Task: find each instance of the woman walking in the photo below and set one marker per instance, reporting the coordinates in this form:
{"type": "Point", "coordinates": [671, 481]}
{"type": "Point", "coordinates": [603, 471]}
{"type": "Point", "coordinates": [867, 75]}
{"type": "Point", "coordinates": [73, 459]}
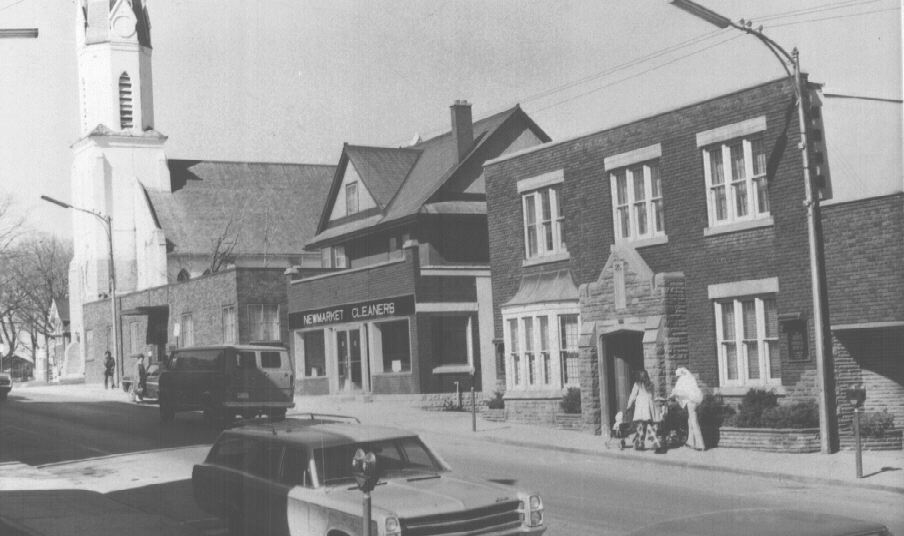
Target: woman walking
{"type": "Point", "coordinates": [689, 395]}
{"type": "Point", "coordinates": [645, 412]}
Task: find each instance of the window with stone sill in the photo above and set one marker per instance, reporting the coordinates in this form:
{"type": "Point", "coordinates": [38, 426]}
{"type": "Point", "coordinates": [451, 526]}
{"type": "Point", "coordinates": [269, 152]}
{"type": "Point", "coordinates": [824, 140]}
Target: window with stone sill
{"type": "Point", "coordinates": [737, 188]}
{"type": "Point", "coordinates": [542, 350]}
{"type": "Point", "coordinates": [747, 339]}
{"type": "Point", "coordinates": [264, 320]}
{"type": "Point", "coordinates": [637, 206]}
{"type": "Point", "coordinates": [544, 222]}
{"type": "Point", "coordinates": [229, 325]}
{"type": "Point", "coordinates": [187, 330]}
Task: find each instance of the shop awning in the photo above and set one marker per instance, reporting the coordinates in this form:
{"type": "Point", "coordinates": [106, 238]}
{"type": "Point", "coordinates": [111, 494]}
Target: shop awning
{"type": "Point", "coordinates": [545, 287]}
{"type": "Point", "coordinates": [145, 310]}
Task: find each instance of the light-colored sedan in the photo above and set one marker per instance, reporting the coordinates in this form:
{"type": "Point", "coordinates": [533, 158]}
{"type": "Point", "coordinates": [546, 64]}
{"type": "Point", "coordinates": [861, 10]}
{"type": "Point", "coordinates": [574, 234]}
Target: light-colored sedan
{"type": "Point", "coordinates": [296, 478]}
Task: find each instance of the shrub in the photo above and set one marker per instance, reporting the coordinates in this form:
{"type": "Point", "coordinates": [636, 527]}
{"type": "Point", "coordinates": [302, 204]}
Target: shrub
{"type": "Point", "coordinates": [876, 423]}
{"type": "Point", "coordinates": [571, 401]}
{"type": "Point", "coordinates": [711, 413]}
{"type": "Point", "coordinates": [497, 402]}
{"type": "Point", "coordinates": [803, 414]}
{"type": "Point", "coordinates": [750, 411]}
{"type": "Point", "coordinates": [451, 404]}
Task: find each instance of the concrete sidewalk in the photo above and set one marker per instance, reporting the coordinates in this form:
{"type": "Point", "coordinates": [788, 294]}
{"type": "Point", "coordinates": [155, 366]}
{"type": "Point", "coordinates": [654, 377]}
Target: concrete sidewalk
{"type": "Point", "coordinates": [882, 470]}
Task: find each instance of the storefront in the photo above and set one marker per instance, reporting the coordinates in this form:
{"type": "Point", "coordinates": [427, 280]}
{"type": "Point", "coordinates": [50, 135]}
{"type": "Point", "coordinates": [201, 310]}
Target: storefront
{"type": "Point", "coordinates": [352, 347]}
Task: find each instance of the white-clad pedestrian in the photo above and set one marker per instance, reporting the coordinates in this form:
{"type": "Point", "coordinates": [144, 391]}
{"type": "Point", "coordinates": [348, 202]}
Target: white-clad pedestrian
{"type": "Point", "coordinates": [689, 395]}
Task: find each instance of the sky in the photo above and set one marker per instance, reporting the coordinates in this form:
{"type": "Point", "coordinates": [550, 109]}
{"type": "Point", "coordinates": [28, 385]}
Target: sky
{"type": "Point", "coordinates": [292, 80]}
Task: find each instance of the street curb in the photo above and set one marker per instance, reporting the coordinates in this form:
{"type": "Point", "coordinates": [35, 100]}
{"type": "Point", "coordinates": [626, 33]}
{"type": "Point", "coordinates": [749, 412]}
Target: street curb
{"type": "Point", "coordinates": [692, 465]}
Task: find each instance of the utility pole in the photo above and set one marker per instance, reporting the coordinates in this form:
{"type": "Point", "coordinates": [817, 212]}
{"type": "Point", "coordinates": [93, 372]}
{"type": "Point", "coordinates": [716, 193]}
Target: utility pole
{"type": "Point", "coordinates": [824, 367]}
{"type": "Point", "coordinates": [18, 33]}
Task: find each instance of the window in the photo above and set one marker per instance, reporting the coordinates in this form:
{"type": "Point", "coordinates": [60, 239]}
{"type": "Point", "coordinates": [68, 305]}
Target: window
{"type": "Point", "coordinates": [187, 330]}
{"type": "Point", "coordinates": [229, 324]}
{"type": "Point", "coordinates": [125, 101]}
{"type": "Point", "coordinates": [568, 349]}
{"type": "Point", "coordinates": [89, 345]}
{"type": "Point", "coordinates": [295, 467]}
{"type": "Point", "coordinates": [312, 349]}
{"type": "Point", "coordinates": [271, 360]}
{"type": "Point", "coordinates": [637, 201]}
{"type": "Point", "coordinates": [542, 350]}
{"type": "Point", "coordinates": [747, 336]}
{"type": "Point", "coordinates": [209, 360]}
{"type": "Point", "coordinates": [735, 171]}
{"type": "Point", "coordinates": [264, 319]}
{"type": "Point", "coordinates": [351, 198]}
{"type": "Point", "coordinates": [451, 340]}
{"type": "Point", "coordinates": [135, 338]}
{"type": "Point", "coordinates": [392, 340]}
{"type": "Point", "coordinates": [333, 257]}
{"type": "Point", "coordinates": [543, 222]}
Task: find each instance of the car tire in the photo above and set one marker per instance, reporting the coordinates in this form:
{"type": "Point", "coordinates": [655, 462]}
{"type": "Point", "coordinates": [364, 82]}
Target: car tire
{"type": "Point", "coordinates": [277, 414]}
{"type": "Point", "coordinates": [167, 412]}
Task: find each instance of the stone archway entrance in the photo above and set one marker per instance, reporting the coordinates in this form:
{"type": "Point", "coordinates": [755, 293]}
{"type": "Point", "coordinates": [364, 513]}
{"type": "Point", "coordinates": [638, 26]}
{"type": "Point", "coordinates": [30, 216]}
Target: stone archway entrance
{"type": "Point", "coordinates": [622, 357]}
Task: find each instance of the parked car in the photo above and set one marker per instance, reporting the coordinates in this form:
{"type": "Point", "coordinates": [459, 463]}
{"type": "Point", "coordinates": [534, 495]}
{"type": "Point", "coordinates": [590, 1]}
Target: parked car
{"type": "Point", "coordinates": [293, 478]}
{"type": "Point", "coordinates": [764, 522]}
{"type": "Point", "coordinates": [6, 385]}
{"type": "Point", "coordinates": [224, 381]}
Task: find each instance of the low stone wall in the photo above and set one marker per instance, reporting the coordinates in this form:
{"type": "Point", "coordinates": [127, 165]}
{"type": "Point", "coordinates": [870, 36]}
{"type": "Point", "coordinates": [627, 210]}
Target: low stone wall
{"type": "Point", "coordinates": [789, 440]}
{"type": "Point", "coordinates": [569, 421]}
{"type": "Point", "coordinates": [493, 415]}
{"type": "Point", "coordinates": [532, 407]}
{"type": "Point", "coordinates": [891, 441]}
{"type": "Point", "coordinates": [432, 401]}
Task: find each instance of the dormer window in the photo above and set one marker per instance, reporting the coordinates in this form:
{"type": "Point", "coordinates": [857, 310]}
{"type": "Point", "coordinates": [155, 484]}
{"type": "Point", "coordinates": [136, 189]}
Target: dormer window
{"type": "Point", "coordinates": [125, 101]}
{"type": "Point", "coordinates": [351, 198]}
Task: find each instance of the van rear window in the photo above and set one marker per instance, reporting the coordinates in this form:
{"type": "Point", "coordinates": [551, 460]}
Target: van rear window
{"type": "Point", "coordinates": [271, 360]}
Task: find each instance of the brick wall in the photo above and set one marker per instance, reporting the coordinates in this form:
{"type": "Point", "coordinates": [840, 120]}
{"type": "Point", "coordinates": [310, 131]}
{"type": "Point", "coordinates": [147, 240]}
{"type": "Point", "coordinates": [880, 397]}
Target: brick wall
{"type": "Point", "coordinates": [863, 251]}
{"type": "Point", "coordinates": [776, 251]}
{"type": "Point", "coordinates": [257, 286]}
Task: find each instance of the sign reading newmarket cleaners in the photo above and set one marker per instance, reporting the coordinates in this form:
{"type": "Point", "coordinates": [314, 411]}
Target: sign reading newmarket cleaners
{"type": "Point", "coordinates": [355, 312]}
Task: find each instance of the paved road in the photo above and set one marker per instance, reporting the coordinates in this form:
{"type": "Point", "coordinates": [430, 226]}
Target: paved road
{"type": "Point", "coordinates": [583, 494]}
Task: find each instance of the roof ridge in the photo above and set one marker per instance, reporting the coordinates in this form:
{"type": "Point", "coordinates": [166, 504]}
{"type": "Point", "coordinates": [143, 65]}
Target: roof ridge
{"type": "Point", "coordinates": [255, 162]}
{"type": "Point", "coordinates": [475, 123]}
{"type": "Point", "coordinates": [378, 147]}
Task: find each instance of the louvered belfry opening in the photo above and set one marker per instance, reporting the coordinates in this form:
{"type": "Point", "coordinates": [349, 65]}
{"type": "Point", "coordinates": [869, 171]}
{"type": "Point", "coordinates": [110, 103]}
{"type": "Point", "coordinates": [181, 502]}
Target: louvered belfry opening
{"type": "Point", "coordinates": [125, 101]}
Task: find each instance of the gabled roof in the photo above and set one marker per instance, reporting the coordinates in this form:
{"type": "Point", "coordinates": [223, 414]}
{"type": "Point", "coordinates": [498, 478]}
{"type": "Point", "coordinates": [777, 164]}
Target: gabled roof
{"type": "Point", "coordinates": [62, 305]}
{"type": "Point", "coordinates": [266, 208]}
{"type": "Point", "coordinates": [410, 177]}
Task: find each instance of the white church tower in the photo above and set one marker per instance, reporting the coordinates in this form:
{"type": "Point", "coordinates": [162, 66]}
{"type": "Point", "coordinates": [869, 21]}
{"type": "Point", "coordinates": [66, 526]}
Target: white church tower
{"type": "Point", "coordinates": [117, 158]}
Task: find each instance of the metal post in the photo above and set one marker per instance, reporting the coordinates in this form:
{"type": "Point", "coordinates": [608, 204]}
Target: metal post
{"type": "Point", "coordinates": [473, 410]}
{"type": "Point", "coordinates": [817, 276]}
{"type": "Point", "coordinates": [117, 350]}
{"type": "Point", "coordinates": [857, 446]}
{"type": "Point", "coordinates": [366, 516]}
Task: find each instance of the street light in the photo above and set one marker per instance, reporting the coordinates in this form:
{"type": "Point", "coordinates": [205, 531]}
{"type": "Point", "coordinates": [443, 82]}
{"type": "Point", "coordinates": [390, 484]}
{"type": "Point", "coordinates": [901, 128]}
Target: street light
{"type": "Point", "coordinates": [814, 228]}
{"type": "Point", "coordinates": [113, 308]}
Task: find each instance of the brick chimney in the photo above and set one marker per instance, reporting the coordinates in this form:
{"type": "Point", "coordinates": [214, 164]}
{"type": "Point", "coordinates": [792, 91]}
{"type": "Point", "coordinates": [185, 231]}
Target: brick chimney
{"type": "Point", "coordinates": [462, 128]}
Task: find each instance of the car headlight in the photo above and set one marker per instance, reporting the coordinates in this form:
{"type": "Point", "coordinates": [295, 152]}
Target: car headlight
{"type": "Point", "coordinates": [532, 511]}
{"type": "Point", "coordinates": [393, 527]}
{"type": "Point", "coordinates": [535, 502]}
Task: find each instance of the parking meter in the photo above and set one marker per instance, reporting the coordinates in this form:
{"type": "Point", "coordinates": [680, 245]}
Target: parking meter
{"type": "Point", "coordinates": [364, 469]}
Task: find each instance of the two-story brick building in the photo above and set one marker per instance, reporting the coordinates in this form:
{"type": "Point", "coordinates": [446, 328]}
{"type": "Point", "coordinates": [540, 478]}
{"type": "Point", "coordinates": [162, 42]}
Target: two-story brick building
{"type": "Point", "coordinates": [404, 305]}
{"type": "Point", "coordinates": [679, 239]}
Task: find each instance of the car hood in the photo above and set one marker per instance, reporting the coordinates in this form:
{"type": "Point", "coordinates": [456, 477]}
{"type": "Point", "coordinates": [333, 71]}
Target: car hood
{"type": "Point", "coordinates": [414, 497]}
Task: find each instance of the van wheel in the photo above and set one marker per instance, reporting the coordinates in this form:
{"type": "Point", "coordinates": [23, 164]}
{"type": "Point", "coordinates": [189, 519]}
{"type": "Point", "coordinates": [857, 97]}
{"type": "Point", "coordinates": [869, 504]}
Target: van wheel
{"type": "Point", "coordinates": [277, 414]}
{"type": "Point", "coordinates": [167, 413]}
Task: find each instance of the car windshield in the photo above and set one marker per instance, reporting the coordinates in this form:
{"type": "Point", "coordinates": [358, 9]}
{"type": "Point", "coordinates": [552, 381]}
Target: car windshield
{"type": "Point", "coordinates": [403, 456]}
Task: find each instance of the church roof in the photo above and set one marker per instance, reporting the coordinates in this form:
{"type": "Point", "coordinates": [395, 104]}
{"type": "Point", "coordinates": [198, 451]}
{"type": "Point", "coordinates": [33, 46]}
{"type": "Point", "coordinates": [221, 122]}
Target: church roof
{"type": "Point", "coordinates": [405, 180]}
{"type": "Point", "coordinates": [265, 208]}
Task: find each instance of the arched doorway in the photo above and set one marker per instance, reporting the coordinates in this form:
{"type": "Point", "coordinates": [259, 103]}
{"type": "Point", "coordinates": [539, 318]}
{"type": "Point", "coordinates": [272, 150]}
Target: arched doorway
{"type": "Point", "coordinates": [622, 354]}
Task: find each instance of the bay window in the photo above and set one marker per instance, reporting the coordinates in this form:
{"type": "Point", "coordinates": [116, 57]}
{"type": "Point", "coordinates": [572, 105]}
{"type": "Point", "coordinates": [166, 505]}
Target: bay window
{"type": "Point", "coordinates": [542, 347]}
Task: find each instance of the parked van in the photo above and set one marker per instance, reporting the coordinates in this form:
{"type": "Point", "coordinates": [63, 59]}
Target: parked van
{"type": "Point", "coordinates": [225, 381]}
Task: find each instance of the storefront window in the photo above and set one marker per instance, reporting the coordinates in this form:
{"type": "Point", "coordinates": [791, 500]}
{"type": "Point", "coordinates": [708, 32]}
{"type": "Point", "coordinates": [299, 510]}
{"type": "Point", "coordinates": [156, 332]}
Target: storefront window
{"type": "Point", "coordinates": [313, 353]}
{"type": "Point", "coordinates": [450, 340]}
{"type": "Point", "coordinates": [393, 343]}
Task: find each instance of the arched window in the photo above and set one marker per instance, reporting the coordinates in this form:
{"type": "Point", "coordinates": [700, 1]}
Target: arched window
{"type": "Point", "coordinates": [183, 275]}
{"type": "Point", "coordinates": [125, 101]}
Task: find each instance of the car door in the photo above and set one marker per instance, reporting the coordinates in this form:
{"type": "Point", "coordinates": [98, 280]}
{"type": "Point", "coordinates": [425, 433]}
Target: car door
{"type": "Point", "coordinates": [264, 493]}
{"type": "Point", "coordinates": [277, 375]}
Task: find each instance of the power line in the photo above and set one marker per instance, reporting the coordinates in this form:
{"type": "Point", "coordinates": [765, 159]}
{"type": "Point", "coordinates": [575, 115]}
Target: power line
{"type": "Point", "coordinates": [17, 2]}
{"type": "Point", "coordinates": [837, 17]}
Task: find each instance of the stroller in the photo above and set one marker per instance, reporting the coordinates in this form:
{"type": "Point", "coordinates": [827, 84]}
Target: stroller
{"type": "Point", "coordinates": [621, 429]}
{"type": "Point", "coordinates": [673, 423]}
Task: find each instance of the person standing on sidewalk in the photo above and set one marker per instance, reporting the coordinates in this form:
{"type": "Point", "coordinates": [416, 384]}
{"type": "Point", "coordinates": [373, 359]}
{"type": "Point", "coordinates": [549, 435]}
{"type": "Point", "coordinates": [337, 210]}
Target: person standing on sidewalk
{"type": "Point", "coordinates": [645, 412]}
{"type": "Point", "coordinates": [109, 368]}
{"type": "Point", "coordinates": [141, 375]}
{"type": "Point", "coordinates": [689, 395]}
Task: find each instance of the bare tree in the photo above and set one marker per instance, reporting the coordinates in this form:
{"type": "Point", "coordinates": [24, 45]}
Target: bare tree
{"type": "Point", "coordinates": [11, 227]}
{"type": "Point", "coordinates": [224, 243]}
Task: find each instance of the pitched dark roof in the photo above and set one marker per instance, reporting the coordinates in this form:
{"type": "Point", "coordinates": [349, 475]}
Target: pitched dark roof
{"type": "Point", "coordinates": [267, 208]}
{"type": "Point", "coordinates": [410, 188]}
{"type": "Point", "coordinates": [382, 169]}
{"type": "Point", "coordinates": [63, 308]}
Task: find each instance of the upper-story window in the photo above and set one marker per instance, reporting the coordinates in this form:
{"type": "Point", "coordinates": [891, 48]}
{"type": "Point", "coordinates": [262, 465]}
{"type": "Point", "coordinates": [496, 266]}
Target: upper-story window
{"type": "Point", "coordinates": [544, 219]}
{"type": "Point", "coordinates": [734, 164]}
{"type": "Point", "coordinates": [637, 201]}
{"type": "Point", "coordinates": [333, 257]}
{"type": "Point", "coordinates": [125, 101]}
{"type": "Point", "coordinates": [351, 198]}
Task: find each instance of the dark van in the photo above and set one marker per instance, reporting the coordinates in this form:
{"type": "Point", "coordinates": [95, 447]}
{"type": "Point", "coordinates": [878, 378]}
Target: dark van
{"type": "Point", "coordinates": [225, 381]}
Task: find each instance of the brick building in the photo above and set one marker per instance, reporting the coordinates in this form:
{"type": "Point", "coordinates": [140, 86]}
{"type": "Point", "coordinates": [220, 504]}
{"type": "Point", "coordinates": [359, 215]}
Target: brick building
{"type": "Point", "coordinates": [680, 240]}
{"type": "Point", "coordinates": [404, 305]}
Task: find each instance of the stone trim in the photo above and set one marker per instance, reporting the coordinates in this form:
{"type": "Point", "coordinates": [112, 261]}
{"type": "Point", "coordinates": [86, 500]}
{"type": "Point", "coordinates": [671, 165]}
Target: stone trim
{"type": "Point", "coordinates": [734, 130]}
{"type": "Point", "coordinates": [734, 227]}
{"type": "Point", "coordinates": [748, 287]}
{"type": "Point", "coordinates": [540, 181]}
{"type": "Point", "coordinates": [650, 152]}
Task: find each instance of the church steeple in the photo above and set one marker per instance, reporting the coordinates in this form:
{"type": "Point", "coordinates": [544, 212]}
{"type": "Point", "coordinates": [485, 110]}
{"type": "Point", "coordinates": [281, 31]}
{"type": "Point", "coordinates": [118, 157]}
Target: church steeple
{"type": "Point", "coordinates": [114, 59]}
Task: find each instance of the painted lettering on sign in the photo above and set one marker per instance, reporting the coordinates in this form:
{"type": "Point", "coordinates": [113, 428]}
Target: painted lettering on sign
{"type": "Point", "coordinates": [373, 309]}
{"type": "Point", "coordinates": [400, 306]}
{"type": "Point", "coordinates": [323, 317]}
